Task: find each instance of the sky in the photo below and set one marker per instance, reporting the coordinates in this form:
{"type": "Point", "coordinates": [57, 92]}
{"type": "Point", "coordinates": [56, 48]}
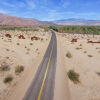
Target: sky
{"type": "Point", "coordinates": [49, 10]}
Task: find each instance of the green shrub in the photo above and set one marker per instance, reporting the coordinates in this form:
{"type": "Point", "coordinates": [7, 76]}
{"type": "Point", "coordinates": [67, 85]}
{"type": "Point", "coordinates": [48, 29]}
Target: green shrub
{"type": "Point", "coordinates": [4, 67]}
{"type": "Point", "coordinates": [19, 69]}
{"type": "Point", "coordinates": [8, 79]}
{"type": "Point", "coordinates": [73, 76]}
{"type": "Point", "coordinates": [69, 55]}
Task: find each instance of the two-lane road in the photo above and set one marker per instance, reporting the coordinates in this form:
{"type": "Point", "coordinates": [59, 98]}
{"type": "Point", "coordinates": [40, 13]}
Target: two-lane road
{"type": "Point", "coordinates": [42, 86]}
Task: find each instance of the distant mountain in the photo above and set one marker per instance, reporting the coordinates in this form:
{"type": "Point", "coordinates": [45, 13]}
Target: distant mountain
{"type": "Point", "coordinates": [73, 21]}
{"type": "Point", "coordinates": [17, 21]}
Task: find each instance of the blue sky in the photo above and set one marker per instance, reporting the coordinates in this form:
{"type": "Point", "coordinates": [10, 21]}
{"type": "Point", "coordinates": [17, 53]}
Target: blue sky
{"type": "Point", "coordinates": [52, 9]}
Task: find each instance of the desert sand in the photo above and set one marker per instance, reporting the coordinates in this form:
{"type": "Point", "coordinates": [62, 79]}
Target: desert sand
{"type": "Point", "coordinates": [25, 52]}
{"type": "Point", "coordinates": [87, 67]}
{"type": "Point", "coordinates": [14, 52]}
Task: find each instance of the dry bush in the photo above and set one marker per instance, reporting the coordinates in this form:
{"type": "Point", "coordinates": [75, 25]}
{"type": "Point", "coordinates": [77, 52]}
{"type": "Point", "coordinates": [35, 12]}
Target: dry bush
{"type": "Point", "coordinates": [8, 79]}
{"type": "Point", "coordinates": [73, 76]}
{"type": "Point", "coordinates": [19, 69]}
{"type": "Point", "coordinates": [90, 56]}
{"type": "Point", "coordinates": [69, 55]}
{"type": "Point", "coordinates": [4, 67]}
{"type": "Point", "coordinates": [18, 43]}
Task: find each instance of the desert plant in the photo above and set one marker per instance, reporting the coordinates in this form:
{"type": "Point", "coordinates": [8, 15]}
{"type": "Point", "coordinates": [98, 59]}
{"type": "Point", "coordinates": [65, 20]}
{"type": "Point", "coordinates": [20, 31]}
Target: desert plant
{"type": "Point", "coordinates": [69, 55]}
{"type": "Point", "coordinates": [8, 79]}
{"type": "Point", "coordinates": [78, 48]}
{"type": "Point", "coordinates": [90, 56]}
{"type": "Point", "coordinates": [7, 50]}
{"type": "Point", "coordinates": [80, 45]}
{"type": "Point", "coordinates": [18, 43]}
{"type": "Point", "coordinates": [19, 69]}
{"type": "Point", "coordinates": [85, 51]}
{"type": "Point", "coordinates": [73, 76]}
{"type": "Point", "coordinates": [4, 67]}
{"type": "Point", "coordinates": [31, 43]}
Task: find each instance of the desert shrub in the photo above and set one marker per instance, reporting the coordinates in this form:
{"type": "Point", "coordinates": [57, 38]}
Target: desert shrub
{"type": "Point", "coordinates": [18, 43]}
{"type": "Point", "coordinates": [41, 39]}
{"type": "Point", "coordinates": [8, 79]}
{"type": "Point", "coordinates": [85, 51]}
{"type": "Point", "coordinates": [80, 45]}
{"type": "Point", "coordinates": [90, 56]}
{"type": "Point", "coordinates": [31, 43]}
{"type": "Point", "coordinates": [7, 50]}
{"type": "Point", "coordinates": [4, 67]}
{"type": "Point", "coordinates": [19, 69]}
{"type": "Point", "coordinates": [69, 55]}
{"type": "Point", "coordinates": [78, 48]}
{"type": "Point", "coordinates": [73, 76]}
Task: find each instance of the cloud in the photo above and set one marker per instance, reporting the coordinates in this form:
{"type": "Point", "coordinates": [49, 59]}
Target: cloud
{"type": "Point", "coordinates": [31, 5]}
{"type": "Point", "coordinates": [2, 11]}
{"type": "Point", "coordinates": [14, 4]}
{"type": "Point", "coordinates": [65, 3]}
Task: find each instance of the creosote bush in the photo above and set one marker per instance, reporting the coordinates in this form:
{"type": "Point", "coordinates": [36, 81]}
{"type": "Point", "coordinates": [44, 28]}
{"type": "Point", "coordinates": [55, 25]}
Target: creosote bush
{"type": "Point", "coordinates": [8, 79]}
{"type": "Point", "coordinates": [69, 55]}
{"type": "Point", "coordinates": [4, 67]}
{"type": "Point", "coordinates": [90, 56]}
{"type": "Point", "coordinates": [73, 76]}
{"type": "Point", "coordinates": [19, 69]}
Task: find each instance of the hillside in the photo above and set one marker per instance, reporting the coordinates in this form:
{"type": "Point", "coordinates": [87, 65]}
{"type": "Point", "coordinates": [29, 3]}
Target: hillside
{"type": "Point", "coordinates": [17, 21]}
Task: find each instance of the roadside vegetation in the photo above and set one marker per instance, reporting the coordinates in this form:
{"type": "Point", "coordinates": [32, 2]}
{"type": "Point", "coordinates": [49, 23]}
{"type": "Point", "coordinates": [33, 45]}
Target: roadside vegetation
{"type": "Point", "coordinates": [19, 69]}
{"type": "Point", "coordinates": [69, 55]}
{"type": "Point", "coordinates": [73, 76]}
{"type": "Point", "coordinates": [77, 29]}
{"type": "Point", "coordinates": [8, 79]}
{"type": "Point", "coordinates": [95, 30]}
{"type": "Point", "coordinates": [4, 67]}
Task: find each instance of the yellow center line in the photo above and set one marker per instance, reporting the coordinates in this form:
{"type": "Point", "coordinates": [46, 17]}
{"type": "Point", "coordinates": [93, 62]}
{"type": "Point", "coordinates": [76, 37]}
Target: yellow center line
{"type": "Point", "coordinates": [39, 96]}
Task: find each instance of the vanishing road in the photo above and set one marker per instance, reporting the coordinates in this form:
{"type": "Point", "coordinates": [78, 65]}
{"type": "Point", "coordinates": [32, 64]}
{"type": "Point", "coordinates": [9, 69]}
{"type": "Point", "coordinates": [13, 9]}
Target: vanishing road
{"type": "Point", "coordinates": [42, 86]}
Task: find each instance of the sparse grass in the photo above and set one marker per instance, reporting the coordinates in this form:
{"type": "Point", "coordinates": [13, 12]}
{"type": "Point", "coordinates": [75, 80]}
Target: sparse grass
{"type": "Point", "coordinates": [98, 73]}
{"type": "Point", "coordinates": [8, 79]}
{"type": "Point", "coordinates": [18, 43]}
{"type": "Point", "coordinates": [85, 51]}
{"type": "Point", "coordinates": [78, 48]}
{"type": "Point", "coordinates": [31, 43]}
{"type": "Point", "coordinates": [90, 56]}
{"type": "Point", "coordinates": [37, 49]}
{"type": "Point", "coordinates": [4, 67]}
{"type": "Point", "coordinates": [41, 39]}
{"type": "Point", "coordinates": [69, 55]}
{"type": "Point", "coordinates": [28, 49]}
{"type": "Point", "coordinates": [7, 50]}
{"type": "Point", "coordinates": [80, 45]}
{"type": "Point", "coordinates": [73, 76]}
{"type": "Point", "coordinates": [19, 69]}
{"type": "Point", "coordinates": [7, 57]}
{"type": "Point", "coordinates": [27, 53]}
{"type": "Point", "coordinates": [98, 51]}
{"type": "Point", "coordinates": [97, 48]}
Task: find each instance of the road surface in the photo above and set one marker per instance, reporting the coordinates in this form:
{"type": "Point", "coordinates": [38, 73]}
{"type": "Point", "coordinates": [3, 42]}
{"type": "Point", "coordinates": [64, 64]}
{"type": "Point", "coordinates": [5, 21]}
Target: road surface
{"type": "Point", "coordinates": [42, 86]}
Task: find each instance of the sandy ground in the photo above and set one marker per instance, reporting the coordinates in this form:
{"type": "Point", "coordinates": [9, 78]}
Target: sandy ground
{"type": "Point", "coordinates": [87, 67]}
{"type": "Point", "coordinates": [15, 52]}
{"type": "Point", "coordinates": [62, 91]}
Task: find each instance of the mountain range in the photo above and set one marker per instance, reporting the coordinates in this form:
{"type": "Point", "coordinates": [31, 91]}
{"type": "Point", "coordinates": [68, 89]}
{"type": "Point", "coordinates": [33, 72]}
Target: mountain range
{"type": "Point", "coordinates": [18, 21]}
{"type": "Point", "coordinates": [74, 21]}
{"type": "Point", "coordinates": [6, 19]}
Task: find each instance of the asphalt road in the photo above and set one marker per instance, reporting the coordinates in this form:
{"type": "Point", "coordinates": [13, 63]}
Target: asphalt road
{"type": "Point", "coordinates": [42, 86]}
